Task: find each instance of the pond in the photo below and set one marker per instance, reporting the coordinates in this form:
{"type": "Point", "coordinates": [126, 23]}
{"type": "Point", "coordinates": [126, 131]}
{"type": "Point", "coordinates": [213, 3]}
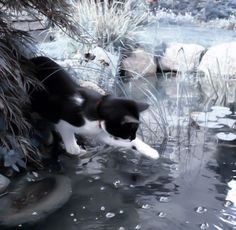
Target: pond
{"type": "Point", "coordinates": [118, 190]}
{"type": "Point", "coordinates": [192, 185]}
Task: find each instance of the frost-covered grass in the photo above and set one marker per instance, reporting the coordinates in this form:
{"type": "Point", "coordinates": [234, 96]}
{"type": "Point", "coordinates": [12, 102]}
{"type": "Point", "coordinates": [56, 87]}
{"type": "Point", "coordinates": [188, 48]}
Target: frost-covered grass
{"type": "Point", "coordinates": [105, 25]}
{"type": "Point", "coordinates": [168, 16]}
{"type": "Point", "coordinates": [229, 24]}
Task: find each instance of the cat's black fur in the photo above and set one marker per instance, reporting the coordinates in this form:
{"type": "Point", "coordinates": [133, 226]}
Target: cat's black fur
{"type": "Point", "coordinates": [56, 101]}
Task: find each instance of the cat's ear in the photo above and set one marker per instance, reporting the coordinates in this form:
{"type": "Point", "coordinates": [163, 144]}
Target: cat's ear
{"type": "Point", "coordinates": [129, 119]}
{"type": "Point", "coordinates": [142, 106]}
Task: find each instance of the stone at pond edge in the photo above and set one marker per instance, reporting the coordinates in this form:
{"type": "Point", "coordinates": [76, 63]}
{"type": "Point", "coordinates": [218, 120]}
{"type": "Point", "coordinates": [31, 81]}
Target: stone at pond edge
{"type": "Point", "coordinates": [4, 183]}
{"type": "Point", "coordinates": [181, 57]}
{"type": "Point", "coordinates": [140, 62]}
{"type": "Point", "coordinates": [219, 61]}
{"type": "Point", "coordinates": [30, 202]}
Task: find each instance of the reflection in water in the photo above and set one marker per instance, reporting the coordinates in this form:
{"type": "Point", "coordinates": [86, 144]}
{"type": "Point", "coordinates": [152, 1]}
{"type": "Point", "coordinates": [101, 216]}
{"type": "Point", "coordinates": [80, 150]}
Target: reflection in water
{"type": "Point", "coordinates": [120, 190]}
{"type": "Point", "coordinates": [227, 169]}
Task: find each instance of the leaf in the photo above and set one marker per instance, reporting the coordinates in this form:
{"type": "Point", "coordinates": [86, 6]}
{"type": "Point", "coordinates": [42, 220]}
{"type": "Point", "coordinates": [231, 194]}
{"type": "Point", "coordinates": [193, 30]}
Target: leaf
{"type": "Point", "coordinates": [12, 159]}
{"type": "Point", "coordinates": [14, 166]}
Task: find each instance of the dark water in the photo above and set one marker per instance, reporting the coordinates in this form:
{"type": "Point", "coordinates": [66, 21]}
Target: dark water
{"type": "Point", "coordinates": [187, 188]}
{"type": "Point", "coordinates": [118, 190]}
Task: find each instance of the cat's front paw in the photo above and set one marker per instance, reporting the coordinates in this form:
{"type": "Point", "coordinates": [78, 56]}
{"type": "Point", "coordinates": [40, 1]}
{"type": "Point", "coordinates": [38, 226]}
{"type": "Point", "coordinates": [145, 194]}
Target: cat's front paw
{"type": "Point", "coordinates": [75, 150]}
{"type": "Point", "coordinates": [145, 149]}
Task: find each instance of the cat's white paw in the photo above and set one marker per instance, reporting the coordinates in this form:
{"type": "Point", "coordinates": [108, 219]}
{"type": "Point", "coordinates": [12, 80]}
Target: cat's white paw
{"type": "Point", "coordinates": [145, 149]}
{"type": "Point", "coordinates": [75, 150]}
{"type": "Point", "coordinates": [153, 153]}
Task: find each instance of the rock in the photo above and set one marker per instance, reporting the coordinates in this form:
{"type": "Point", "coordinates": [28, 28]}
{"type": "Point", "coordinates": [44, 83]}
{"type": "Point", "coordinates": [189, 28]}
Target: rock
{"type": "Point", "coordinates": [4, 183]}
{"type": "Point", "coordinates": [61, 48]}
{"type": "Point", "coordinates": [140, 62]}
{"type": "Point", "coordinates": [30, 201]}
{"type": "Point", "coordinates": [219, 60]}
{"type": "Point", "coordinates": [181, 57]}
{"type": "Point", "coordinates": [93, 86]}
{"type": "Point", "coordinates": [217, 71]}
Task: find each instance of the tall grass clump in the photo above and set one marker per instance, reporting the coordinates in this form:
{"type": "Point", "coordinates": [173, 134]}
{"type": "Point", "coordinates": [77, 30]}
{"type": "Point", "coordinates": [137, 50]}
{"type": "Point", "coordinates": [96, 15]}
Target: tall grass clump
{"type": "Point", "coordinates": [110, 25]}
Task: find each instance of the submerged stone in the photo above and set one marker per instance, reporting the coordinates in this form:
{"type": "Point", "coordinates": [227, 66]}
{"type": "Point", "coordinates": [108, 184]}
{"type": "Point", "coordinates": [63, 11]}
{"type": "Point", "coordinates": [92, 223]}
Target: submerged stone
{"type": "Point", "coordinates": [30, 202]}
{"type": "Point", "coordinates": [4, 183]}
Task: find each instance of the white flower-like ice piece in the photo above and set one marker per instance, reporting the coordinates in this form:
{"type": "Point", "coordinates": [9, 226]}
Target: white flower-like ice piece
{"type": "Point", "coordinates": [226, 136]}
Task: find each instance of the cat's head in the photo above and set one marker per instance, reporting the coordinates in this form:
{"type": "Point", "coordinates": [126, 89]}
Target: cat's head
{"type": "Point", "coordinates": [121, 116]}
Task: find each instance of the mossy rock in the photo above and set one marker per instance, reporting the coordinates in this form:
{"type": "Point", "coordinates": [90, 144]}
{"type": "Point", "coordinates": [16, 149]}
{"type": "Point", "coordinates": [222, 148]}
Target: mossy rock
{"type": "Point", "coordinates": [31, 201]}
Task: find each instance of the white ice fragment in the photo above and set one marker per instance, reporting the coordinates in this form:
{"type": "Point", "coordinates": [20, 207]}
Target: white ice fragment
{"type": "Point", "coordinates": [231, 195]}
{"type": "Point", "coordinates": [203, 117]}
{"type": "Point", "coordinates": [210, 125]}
{"type": "Point", "coordinates": [220, 108]}
{"type": "Point", "coordinates": [164, 199]}
{"type": "Point", "coordinates": [161, 214]}
{"type": "Point", "coordinates": [227, 121]}
{"type": "Point", "coordinates": [110, 215]}
{"type": "Point", "coordinates": [226, 136]}
{"type": "Point", "coordinates": [145, 206]}
{"type": "Point", "coordinates": [117, 183]}
{"type": "Point", "coordinates": [204, 226]}
{"type": "Point", "coordinates": [103, 208]}
{"type": "Point", "coordinates": [200, 210]}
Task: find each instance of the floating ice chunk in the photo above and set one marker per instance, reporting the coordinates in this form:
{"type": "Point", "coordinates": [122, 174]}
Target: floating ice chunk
{"type": "Point", "coordinates": [202, 116]}
{"type": "Point", "coordinates": [227, 121]}
{"type": "Point", "coordinates": [231, 196]}
{"type": "Point", "coordinates": [110, 215]}
{"type": "Point", "coordinates": [145, 206]}
{"type": "Point", "coordinates": [215, 118]}
{"type": "Point", "coordinates": [200, 209]}
{"type": "Point", "coordinates": [226, 136]}
{"type": "Point", "coordinates": [220, 108]}
{"type": "Point", "coordinates": [204, 225]}
{"type": "Point", "coordinates": [210, 125]}
{"type": "Point", "coordinates": [221, 113]}
{"type": "Point", "coordinates": [161, 214]}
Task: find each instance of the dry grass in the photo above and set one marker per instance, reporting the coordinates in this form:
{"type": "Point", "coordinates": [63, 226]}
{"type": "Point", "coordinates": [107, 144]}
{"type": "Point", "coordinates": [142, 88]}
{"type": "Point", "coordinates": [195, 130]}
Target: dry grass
{"type": "Point", "coordinates": [107, 25]}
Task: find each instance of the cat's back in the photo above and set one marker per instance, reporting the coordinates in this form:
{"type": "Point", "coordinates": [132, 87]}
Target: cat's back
{"type": "Point", "coordinates": [54, 77]}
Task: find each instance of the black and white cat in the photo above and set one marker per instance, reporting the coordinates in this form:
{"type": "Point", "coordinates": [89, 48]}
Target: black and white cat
{"type": "Point", "coordinates": [77, 110]}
